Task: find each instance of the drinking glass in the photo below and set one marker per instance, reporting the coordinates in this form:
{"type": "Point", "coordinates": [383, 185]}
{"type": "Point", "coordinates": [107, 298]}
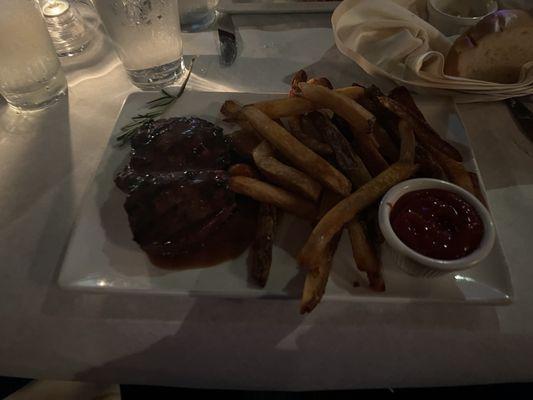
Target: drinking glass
{"type": "Point", "coordinates": [196, 15]}
{"type": "Point", "coordinates": [30, 73]}
{"type": "Point", "coordinates": [147, 37]}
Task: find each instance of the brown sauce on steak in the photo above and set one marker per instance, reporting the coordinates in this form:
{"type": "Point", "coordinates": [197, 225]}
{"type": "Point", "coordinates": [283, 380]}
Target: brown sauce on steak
{"type": "Point", "coordinates": [180, 208]}
{"type": "Point", "coordinates": [226, 243]}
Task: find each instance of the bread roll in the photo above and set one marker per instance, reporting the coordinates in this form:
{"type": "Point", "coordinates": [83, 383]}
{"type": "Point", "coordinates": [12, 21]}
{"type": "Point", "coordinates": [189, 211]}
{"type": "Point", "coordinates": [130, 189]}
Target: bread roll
{"type": "Point", "coordinates": [495, 49]}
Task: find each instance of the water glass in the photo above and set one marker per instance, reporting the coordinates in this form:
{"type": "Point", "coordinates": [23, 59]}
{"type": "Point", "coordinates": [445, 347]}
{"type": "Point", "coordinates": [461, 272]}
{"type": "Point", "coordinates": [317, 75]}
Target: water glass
{"type": "Point", "coordinates": [147, 37]}
{"type": "Point", "coordinates": [30, 73]}
{"type": "Point", "coordinates": [196, 15]}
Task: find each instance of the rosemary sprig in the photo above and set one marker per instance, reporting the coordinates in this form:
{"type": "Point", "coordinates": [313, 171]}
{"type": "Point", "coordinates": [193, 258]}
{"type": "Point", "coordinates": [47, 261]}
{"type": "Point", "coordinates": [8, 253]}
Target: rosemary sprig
{"type": "Point", "coordinates": [154, 109]}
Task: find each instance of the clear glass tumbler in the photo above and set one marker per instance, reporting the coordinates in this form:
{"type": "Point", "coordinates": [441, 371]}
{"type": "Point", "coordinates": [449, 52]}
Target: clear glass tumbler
{"type": "Point", "coordinates": [147, 36]}
{"type": "Point", "coordinates": [30, 73]}
{"type": "Point", "coordinates": [196, 15]}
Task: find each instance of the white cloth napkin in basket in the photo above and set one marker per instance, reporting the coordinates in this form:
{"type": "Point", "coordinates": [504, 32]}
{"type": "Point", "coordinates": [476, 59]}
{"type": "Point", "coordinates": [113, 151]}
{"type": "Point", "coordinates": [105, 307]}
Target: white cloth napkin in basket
{"type": "Point", "coordinates": [388, 39]}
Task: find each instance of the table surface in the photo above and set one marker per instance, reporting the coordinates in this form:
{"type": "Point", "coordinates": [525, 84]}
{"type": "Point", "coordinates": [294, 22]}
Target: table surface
{"type": "Point", "coordinates": [48, 160]}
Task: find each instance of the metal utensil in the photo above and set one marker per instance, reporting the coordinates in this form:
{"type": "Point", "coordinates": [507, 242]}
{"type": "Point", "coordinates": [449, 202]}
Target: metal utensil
{"type": "Point", "coordinates": [227, 39]}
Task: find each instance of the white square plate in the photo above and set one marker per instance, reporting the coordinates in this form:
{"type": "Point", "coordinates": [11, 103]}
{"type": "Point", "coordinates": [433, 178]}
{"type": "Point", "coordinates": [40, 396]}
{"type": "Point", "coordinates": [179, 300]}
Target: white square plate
{"type": "Point", "coordinates": [102, 256]}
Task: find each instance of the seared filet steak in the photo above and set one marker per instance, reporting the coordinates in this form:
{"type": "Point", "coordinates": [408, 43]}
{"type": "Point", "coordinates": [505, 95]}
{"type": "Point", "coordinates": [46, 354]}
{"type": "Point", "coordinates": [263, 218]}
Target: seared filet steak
{"type": "Point", "coordinates": [177, 185]}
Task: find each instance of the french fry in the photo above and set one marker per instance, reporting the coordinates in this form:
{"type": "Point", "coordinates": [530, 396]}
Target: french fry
{"type": "Point", "coordinates": [261, 249]}
{"type": "Point", "coordinates": [328, 200]}
{"type": "Point", "coordinates": [387, 148]}
{"type": "Point", "coordinates": [385, 118]}
{"type": "Point", "coordinates": [244, 142]}
{"type": "Point", "coordinates": [455, 170]}
{"type": "Point", "coordinates": [281, 108]}
{"type": "Point", "coordinates": [295, 123]}
{"type": "Point", "coordinates": [365, 255]}
{"type": "Point", "coordinates": [318, 147]}
{"type": "Point", "coordinates": [349, 162]}
{"type": "Point", "coordinates": [424, 133]}
{"type": "Point", "coordinates": [343, 126]}
{"type": "Point", "coordinates": [284, 175]}
{"type": "Point", "coordinates": [347, 209]}
{"type": "Point", "coordinates": [231, 109]}
{"type": "Point", "coordinates": [372, 225]}
{"type": "Point", "coordinates": [429, 167]}
{"type": "Point", "coordinates": [309, 128]}
{"type": "Point", "coordinates": [402, 95]}
{"type": "Point", "coordinates": [369, 101]}
{"type": "Point", "coordinates": [317, 278]}
{"type": "Point", "coordinates": [320, 81]}
{"type": "Point", "coordinates": [269, 194]}
{"type": "Point", "coordinates": [384, 130]}
{"type": "Point", "coordinates": [243, 170]}
{"type": "Point", "coordinates": [408, 143]}
{"type": "Point", "coordinates": [298, 154]}
{"type": "Point", "coordinates": [355, 114]}
{"type": "Point", "coordinates": [386, 145]}
{"type": "Point", "coordinates": [299, 76]}
{"type": "Point", "coordinates": [359, 119]}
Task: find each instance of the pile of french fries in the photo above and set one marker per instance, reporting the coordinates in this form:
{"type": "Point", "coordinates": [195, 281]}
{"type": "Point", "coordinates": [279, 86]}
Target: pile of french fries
{"type": "Point", "coordinates": [328, 156]}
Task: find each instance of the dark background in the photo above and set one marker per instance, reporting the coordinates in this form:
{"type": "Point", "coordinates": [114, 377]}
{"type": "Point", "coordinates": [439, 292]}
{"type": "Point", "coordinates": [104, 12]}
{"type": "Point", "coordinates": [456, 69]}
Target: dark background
{"type": "Point", "coordinates": [514, 391]}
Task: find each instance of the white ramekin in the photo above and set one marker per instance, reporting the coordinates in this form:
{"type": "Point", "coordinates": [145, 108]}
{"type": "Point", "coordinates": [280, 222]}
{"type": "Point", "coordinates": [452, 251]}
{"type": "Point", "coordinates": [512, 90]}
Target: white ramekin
{"type": "Point", "coordinates": [417, 264]}
{"type": "Point", "coordinates": [451, 25]}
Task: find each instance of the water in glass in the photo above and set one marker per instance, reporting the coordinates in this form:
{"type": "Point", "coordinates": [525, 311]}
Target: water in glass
{"type": "Point", "coordinates": [147, 36]}
{"type": "Point", "coordinates": [30, 73]}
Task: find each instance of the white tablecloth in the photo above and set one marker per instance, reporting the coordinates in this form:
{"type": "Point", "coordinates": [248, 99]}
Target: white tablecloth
{"type": "Point", "coordinates": [47, 162]}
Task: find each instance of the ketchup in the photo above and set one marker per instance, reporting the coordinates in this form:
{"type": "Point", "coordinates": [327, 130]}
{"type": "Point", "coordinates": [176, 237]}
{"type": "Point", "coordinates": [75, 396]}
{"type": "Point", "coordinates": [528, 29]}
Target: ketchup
{"type": "Point", "coordinates": [437, 223]}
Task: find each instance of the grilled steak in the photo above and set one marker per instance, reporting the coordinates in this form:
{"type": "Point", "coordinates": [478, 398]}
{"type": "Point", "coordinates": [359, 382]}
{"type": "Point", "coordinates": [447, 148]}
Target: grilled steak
{"type": "Point", "coordinates": [177, 185]}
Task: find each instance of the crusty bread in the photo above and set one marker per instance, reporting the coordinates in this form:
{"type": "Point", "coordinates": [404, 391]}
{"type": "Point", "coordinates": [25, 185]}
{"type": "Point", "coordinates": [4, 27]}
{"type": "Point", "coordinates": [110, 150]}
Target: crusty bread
{"type": "Point", "coordinates": [495, 49]}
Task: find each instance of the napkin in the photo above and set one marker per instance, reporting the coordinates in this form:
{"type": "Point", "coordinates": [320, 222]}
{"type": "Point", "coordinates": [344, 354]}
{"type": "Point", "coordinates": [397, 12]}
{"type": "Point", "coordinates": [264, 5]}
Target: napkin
{"type": "Point", "coordinates": [389, 38]}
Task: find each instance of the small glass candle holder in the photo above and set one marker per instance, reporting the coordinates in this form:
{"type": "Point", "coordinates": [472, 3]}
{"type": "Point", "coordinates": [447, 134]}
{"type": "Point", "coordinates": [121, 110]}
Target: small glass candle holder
{"type": "Point", "coordinates": [66, 27]}
{"type": "Point", "coordinates": [197, 15]}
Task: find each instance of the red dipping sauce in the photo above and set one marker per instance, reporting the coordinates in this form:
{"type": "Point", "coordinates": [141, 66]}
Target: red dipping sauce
{"type": "Point", "coordinates": [437, 223]}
